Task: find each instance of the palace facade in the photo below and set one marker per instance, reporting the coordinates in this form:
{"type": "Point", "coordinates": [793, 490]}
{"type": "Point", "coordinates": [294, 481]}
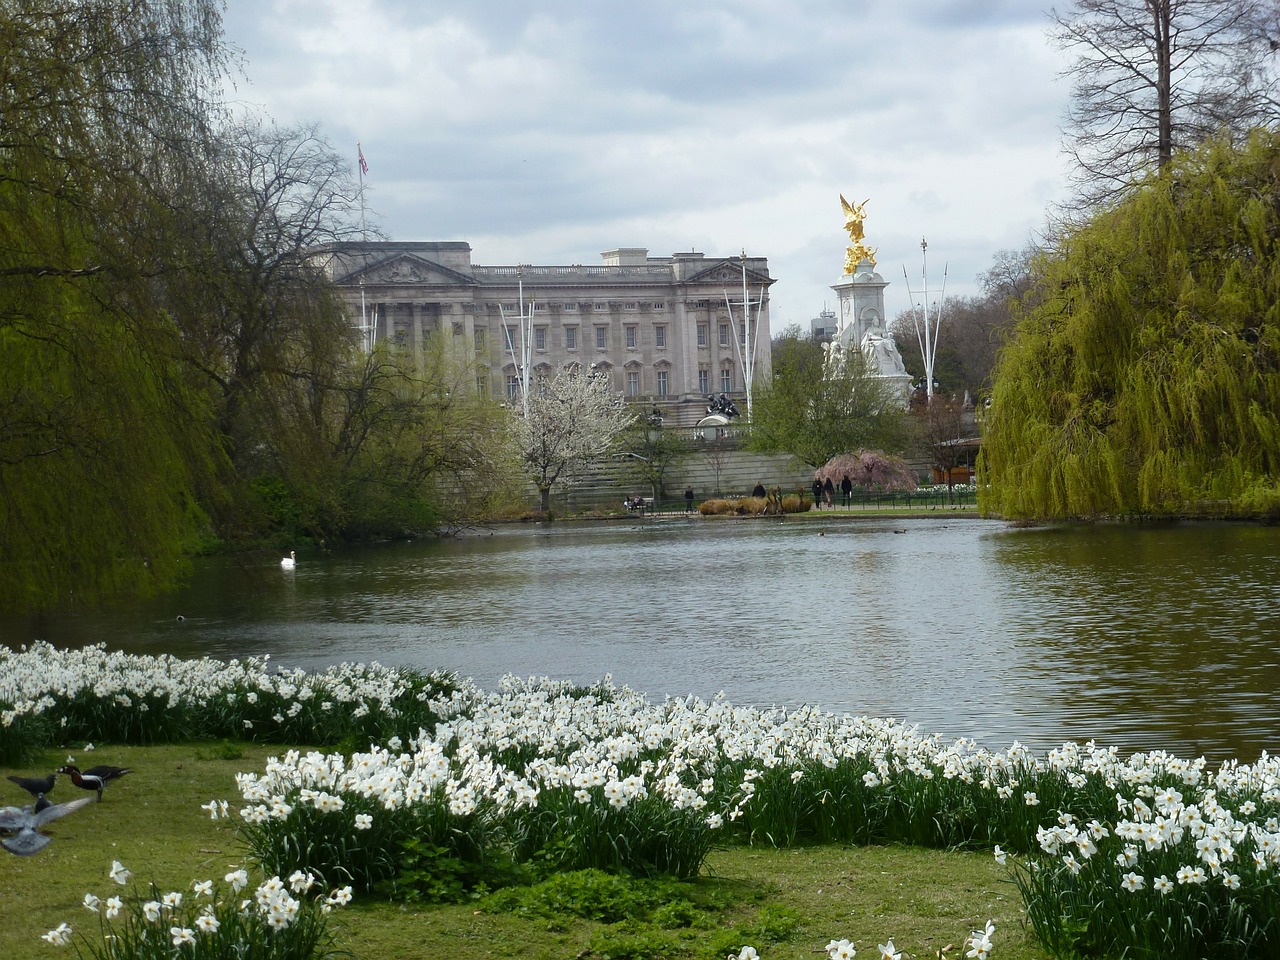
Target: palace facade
{"type": "Point", "coordinates": [667, 331]}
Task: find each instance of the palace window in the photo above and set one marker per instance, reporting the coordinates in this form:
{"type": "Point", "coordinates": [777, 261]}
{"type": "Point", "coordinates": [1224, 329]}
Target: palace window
{"type": "Point", "coordinates": [540, 338]}
{"type": "Point", "coordinates": [726, 380]}
{"type": "Point", "coordinates": [660, 336]}
{"type": "Point", "coordinates": [510, 337]}
{"type": "Point", "coordinates": [602, 338]}
{"type": "Point", "coordinates": [704, 381]}
{"type": "Point", "coordinates": [513, 387]}
{"type": "Point", "coordinates": [724, 334]}
{"type": "Point", "coordinates": [632, 336]}
{"type": "Point", "coordinates": [704, 335]}
{"type": "Point", "coordinates": [662, 383]}
{"type": "Point", "coordinates": [633, 383]}
{"type": "Point", "coordinates": [480, 338]}
{"type": "Point", "coordinates": [571, 338]}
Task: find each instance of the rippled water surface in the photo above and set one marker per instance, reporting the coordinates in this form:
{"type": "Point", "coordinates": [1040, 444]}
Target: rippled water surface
{"type": "Point", "coordinates": [1152, 637]}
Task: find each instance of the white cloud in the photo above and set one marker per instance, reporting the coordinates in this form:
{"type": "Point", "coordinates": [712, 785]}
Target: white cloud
{"type": "Point", "coordinates": [550, 132]}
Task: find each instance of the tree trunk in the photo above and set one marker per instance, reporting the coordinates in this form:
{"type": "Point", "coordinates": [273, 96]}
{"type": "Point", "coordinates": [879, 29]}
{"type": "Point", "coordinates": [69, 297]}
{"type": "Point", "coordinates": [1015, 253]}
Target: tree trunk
{"type": "Point", "coordinates": [1162, 35]}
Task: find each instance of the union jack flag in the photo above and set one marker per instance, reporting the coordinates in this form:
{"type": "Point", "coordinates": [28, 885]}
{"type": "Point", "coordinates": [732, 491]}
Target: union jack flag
{"type": "Point", "coordinates": [364, 167]}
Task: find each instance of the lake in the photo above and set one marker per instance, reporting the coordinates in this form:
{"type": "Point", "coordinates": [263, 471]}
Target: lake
{"type": "Point", "coordinates": [1144, 637]}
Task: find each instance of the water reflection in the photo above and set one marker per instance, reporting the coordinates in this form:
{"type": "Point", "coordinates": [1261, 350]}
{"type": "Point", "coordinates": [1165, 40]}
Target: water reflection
{"type": "Point", "coordinates": [1161, 637]}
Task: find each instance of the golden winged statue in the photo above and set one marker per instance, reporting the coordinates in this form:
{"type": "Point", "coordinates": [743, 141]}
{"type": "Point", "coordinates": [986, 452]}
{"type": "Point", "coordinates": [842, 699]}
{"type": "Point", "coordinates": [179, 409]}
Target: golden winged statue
{"type": "Point", "coordinates": [858, 249]}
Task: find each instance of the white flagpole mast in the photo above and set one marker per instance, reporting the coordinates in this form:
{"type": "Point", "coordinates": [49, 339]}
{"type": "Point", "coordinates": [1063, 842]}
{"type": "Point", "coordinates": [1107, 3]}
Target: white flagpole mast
{"type": "Point", "coordinates": [526, 341]}
{"type": "Point", "coordinates": [366, 329]}
{"type": "Point", "coordinates": [746, 353]}
{"type": "Point", "coordinates": [926, 335]}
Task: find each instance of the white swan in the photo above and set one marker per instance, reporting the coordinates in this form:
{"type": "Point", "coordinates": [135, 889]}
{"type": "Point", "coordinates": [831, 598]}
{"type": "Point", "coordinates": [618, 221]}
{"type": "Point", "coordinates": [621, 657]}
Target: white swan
{"type": "Point", "coordinates": [290, 561]}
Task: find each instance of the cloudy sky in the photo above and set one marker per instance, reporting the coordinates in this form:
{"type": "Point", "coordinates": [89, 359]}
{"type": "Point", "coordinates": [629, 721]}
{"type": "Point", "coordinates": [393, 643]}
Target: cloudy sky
{"type": "Point", "coordinates": [547, 132]}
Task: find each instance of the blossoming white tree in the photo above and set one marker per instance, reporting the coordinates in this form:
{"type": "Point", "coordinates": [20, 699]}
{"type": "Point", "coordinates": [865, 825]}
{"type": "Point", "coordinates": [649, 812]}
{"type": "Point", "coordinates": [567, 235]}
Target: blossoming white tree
{"type": "Point", "coordinates": [572, 420]}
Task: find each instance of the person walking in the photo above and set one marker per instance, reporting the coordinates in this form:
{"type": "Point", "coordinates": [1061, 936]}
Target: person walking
{"type": "Point", "coordinates": [828, 491]}
{"type": "Point", "coordinates": [688, 499]}
{"type": "Point", "coordinates": [817, 493]}
{"type": "Point", "coordinates": [846, 488]}
{"type": "Point", "coordinates": [758, 490]}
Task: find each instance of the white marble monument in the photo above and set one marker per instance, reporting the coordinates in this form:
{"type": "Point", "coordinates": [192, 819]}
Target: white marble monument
{"type": "Point", "coordinates": [861, 320]}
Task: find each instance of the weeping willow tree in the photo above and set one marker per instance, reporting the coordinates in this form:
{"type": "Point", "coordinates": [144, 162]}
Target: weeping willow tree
{"type": "Point", "coordinates": [1144, 374]}
{"type": "Point", "coordinates": [102, 456]}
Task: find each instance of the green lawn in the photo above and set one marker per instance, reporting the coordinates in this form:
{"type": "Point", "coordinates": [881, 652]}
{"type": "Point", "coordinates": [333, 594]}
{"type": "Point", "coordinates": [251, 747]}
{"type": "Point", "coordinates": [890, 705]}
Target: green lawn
{"type": "Point", "coordinates": [152, 822]}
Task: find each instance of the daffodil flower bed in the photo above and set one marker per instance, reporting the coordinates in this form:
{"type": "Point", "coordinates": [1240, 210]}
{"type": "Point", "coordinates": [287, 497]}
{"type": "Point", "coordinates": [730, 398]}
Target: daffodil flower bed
{"type": "Point", "coordinates": [50, 696]}
{"type": "Point", "coordinates": [1150, 855]}
{"type": "Point", "coordinates": [280, 920]}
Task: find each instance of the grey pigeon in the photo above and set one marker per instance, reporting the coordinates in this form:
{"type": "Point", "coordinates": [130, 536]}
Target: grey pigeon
{"type": "Point", "coordinates": [36, 786]}
{"type": "Point", "coordinates": [26, 822]}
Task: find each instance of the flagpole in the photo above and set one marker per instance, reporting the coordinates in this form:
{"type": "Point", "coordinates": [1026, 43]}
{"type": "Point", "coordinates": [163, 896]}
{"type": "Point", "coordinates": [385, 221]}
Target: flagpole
{"type": "Point", "coordinates": [365, 328]}
{"type": "Point", "coordinates": [361, 168]}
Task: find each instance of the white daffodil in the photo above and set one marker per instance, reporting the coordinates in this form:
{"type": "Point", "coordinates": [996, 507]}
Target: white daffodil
{"type": "Point", "coordinates": [60, 936]}
{"type": "Point", "coordinates": [207, 923]}
{"type": "Point", "coordinates": [1133, 882]}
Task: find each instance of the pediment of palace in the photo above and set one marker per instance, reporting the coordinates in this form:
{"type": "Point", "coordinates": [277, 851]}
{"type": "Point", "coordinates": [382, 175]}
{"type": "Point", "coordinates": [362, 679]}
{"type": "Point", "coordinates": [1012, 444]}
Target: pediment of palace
{"type": "Point", "coordinates": [407, 269]}
{"type": "Point", "coordinates": [729, 271]}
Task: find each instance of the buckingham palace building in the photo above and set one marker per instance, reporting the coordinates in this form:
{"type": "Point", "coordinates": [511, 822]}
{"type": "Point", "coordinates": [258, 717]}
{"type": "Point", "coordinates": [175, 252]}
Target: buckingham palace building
{"type": "Point", "coordinates": [667, 331]}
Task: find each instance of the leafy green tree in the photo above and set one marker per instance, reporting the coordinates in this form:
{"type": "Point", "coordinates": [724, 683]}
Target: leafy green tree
{"type": "Point", "coordinates": [814, 413]}
{"type": "Point", "coordinates": [1144, 377]}
{"type": "Point", "coordinates": [649, 451]}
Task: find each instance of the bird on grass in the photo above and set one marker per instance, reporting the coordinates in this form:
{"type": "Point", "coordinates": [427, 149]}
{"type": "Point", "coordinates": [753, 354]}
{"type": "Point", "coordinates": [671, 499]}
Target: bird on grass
{"type": "Point", "coordinates": [36, 786]}
{"type": "Point", "coordinates": [25, 823]}
{"type": "Point", "coordinates": [95, 778]}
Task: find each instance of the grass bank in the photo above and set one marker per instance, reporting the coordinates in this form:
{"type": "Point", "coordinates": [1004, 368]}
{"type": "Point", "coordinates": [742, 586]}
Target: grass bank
{"type": "Point", "coordinates": [786, 903]}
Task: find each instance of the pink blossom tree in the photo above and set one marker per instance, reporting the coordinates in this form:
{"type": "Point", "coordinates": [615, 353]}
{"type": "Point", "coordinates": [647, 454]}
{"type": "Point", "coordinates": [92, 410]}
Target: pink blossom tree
{"type": "Point", "coordinates": [870, 470]}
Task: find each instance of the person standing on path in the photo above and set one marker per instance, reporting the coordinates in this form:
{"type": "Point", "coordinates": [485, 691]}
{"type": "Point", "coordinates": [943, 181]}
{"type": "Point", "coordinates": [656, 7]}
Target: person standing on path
{"type": "Point", "coordinates": [846, 488]}
{"type": "Point", "coordinates": [828, 491]}
{"type": "Point", "coordinates": [688, 499]}
{"type": "Point", "coordinates": [817, 493]}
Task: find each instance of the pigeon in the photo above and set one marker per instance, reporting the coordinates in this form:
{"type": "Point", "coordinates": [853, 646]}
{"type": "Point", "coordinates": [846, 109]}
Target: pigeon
{"type": "Point", "coordinates": [26, 822]}
{"type": "Point", "coordinates": [36, 786]}
{"type": "Point", "coordinates": [95, 778]}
